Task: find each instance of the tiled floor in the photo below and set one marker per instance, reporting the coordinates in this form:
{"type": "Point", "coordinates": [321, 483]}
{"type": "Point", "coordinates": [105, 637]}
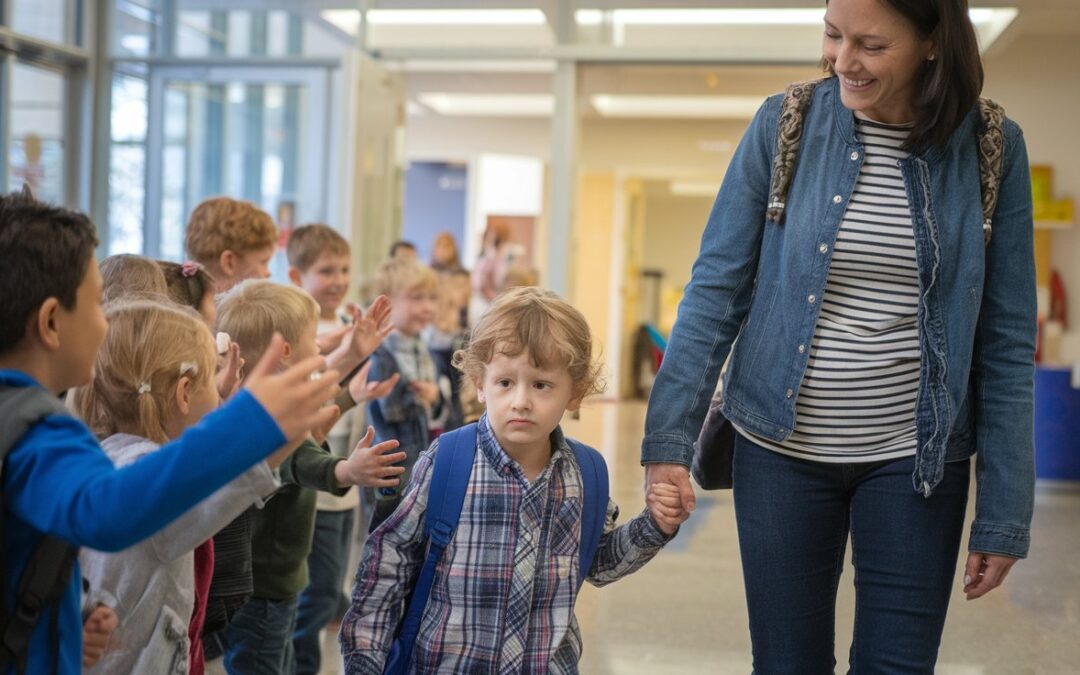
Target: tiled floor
{"type": "Point", "coordinates": [684, 613]}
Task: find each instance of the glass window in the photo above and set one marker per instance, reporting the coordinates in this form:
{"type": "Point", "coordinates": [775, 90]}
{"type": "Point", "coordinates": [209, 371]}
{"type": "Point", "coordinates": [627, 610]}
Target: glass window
{"type": "Point", "coordinates": [36, 151]}
{"type": "Point", "coordinates": [137, 27]}
{"type": "Point", "coordinates": [43, 19]}
{"type": "Point", "coordinates": [127, 173]}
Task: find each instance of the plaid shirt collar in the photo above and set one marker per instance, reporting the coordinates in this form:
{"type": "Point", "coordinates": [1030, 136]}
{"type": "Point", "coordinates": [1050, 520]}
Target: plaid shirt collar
{"type": "Point", "coordinates": [505, 465]}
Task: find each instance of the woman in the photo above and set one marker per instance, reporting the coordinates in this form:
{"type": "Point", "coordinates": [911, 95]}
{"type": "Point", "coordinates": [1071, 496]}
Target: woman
{"type": "Point", "coordinates": [880, 344]}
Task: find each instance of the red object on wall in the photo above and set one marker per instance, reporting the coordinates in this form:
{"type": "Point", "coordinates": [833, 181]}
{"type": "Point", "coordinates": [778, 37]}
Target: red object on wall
{"type": "Point", "coordinates": [1057, 299]}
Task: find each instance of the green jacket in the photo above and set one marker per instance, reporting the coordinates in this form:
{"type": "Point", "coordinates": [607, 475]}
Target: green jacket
{"type": "Point", "coordinates": [285, 525]}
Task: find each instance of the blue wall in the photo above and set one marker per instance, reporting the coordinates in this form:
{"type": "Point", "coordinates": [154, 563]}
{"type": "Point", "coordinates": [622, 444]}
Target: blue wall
{"type": "Point", "coordinates": [434, 202]}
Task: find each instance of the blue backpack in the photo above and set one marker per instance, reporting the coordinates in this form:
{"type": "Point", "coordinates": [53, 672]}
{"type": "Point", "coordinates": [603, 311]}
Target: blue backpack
{"type": "Point", "coordinates": [449, 481]}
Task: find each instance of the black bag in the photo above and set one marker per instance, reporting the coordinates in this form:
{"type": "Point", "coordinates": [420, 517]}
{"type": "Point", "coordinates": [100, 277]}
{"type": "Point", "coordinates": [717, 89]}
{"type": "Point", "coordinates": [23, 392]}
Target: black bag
{"type": "Point", "coordinates": [714, 451]}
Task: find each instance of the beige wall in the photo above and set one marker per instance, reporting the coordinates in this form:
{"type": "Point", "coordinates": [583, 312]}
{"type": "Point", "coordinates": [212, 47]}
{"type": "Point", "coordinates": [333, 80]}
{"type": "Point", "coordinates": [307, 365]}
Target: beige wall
{"type": "Point", "coordinates": [1037, 79]}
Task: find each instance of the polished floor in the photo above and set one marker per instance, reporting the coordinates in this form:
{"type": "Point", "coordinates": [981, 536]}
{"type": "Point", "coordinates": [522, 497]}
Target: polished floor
{"type": "Point", "coordinates": [684, 613]}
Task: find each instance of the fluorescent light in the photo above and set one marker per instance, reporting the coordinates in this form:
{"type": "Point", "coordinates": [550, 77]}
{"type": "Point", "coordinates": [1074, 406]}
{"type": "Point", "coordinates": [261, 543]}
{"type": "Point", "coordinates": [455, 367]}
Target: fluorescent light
{"type": "Point", "coordinates": [693, 189]}
{"type": "Point", "coordinates": [347, 20]}
{"type": "Point", "coordinates": [488, 66]}
{"type": "Point", "coordinates": [489, 105]}
{"type": "Point", "coordinates": [731, 17]}
{"type": "Point", "coordinates": [991, 23]}
{"type": "Point", "coordinates": [723, 107]}
{"type": "Point", "coordinates": [456, 17]}
{"type": "Point", "coordinates": [589, 17]}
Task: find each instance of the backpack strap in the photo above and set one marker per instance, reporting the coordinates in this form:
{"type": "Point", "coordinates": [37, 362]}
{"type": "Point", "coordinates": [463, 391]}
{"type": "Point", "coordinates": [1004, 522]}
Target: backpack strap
{"type": "Point", "coordinates": [991, 139]}
{"type": "Point", "coordinates": [594, 480]}
{"type": "Point", "coordinates": [446, 494]}
{"type": "Point", "coordinates": [48, 569]}
{"type": "Point", "coordinates": [788, 136]}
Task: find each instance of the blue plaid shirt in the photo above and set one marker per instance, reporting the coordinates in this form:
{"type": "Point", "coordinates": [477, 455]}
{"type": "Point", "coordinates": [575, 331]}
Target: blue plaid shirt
{"type": "Point", "coordinates": [504, 591]}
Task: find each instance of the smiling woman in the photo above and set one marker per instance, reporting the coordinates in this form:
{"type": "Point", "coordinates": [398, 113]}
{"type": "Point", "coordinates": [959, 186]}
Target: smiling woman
{"type": "Point", "coordinates": [859, 376]}
{"type": "Point", "coordinates": [924, 68]}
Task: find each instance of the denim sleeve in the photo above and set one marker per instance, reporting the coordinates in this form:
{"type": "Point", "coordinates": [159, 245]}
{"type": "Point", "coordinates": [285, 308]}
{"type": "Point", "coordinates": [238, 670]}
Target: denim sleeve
{"type": "Point", "coordinates": [395, 406]}
{"type": "Point", "coordinates": [1004, 368]}
{"type": "Point", "coordinates": [716, 299]}
{"type": "Point", "coordinates": [625, 549]}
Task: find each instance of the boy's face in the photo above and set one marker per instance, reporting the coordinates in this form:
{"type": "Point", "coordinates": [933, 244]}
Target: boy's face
{"type": "Point", "coordinates": [412, 310]}
{"type": "Point", "coordinates": [524, 403]}
{"type": "Point", "coordinates": [327, 280]}
{"type": "Point", "coordinates": [82, 331]}
{"type": "Point", "coordinates": [249, 265]}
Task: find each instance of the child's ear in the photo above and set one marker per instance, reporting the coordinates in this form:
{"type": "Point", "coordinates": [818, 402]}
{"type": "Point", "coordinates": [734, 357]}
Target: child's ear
{"type": "Point", "coordinates": [183, 402]}
{"type": "Point", "coordinates": [478, 383]}
{"type": "Point", "coordinates": [46, 324]}
{"type": "Point", "coordinates": [294, 276]}
{"type": "Point", "coordinates": [227, 262]}
{"type": "Point", "coordinates": [574, 403]}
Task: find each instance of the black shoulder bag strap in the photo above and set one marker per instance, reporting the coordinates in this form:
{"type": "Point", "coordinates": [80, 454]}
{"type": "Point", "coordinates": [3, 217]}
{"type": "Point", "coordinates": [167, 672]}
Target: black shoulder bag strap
{"type": "Point", "coordinates": [48, 570]}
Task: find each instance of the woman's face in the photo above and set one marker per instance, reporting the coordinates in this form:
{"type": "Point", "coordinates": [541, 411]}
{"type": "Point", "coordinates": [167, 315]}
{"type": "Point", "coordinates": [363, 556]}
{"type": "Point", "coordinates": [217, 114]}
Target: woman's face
{"type": "Point", "coordinates": [877, 56]}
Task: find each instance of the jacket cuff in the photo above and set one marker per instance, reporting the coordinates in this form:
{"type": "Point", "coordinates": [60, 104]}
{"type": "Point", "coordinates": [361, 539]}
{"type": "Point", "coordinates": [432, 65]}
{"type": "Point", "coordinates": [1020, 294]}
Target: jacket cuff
{"type": "Point", "coordinates": [361, 663]}
{"type": "Point", "coordinates": [1000, 539]}
{"type": "Point", "coordinates": [666, 449]}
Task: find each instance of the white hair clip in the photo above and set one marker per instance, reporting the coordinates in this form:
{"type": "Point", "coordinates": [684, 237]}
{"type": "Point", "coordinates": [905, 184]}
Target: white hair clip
{"type": "Point", "coordinates": [223, 342]}
{"type": "Point", "coordinates": [189, 367]}
{"type": "Point", "coordinates": [144, 388]}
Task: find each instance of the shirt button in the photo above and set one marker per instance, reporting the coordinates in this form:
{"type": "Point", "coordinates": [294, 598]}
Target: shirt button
{"type": "Point", "coordinates": [854, 155]}
{"type": "Point", "coordinates": [789, 393]}
{"type": "Point", "coordinates": [802, 350]}
{"type": "Point", "coordinates": [837, 199]}
{"type": "Point", "coordinates": [824, 248]}
{"type": "Point", "coordinates": [811, 299]}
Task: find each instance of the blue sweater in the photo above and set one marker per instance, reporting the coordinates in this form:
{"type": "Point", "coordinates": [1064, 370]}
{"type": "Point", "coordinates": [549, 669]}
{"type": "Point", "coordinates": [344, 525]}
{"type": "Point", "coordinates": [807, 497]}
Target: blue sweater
{"type": "Point", "coordinates": [57, 480]}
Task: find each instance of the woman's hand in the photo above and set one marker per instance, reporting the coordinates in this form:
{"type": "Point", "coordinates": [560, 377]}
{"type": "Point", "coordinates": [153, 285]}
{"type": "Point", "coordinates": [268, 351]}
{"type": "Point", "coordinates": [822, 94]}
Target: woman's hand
{"type": "Point", "coordinates": [984, 572]}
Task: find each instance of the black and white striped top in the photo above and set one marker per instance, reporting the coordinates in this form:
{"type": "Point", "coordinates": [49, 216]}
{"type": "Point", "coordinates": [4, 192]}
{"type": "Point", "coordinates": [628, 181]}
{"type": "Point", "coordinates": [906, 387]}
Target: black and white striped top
{"type": "Point", "coordinates": [857, 399]}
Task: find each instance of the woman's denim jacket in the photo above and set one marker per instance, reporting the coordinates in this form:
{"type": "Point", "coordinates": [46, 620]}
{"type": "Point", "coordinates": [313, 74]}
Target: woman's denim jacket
{"type": "Point", "coordinates": [762, 283]}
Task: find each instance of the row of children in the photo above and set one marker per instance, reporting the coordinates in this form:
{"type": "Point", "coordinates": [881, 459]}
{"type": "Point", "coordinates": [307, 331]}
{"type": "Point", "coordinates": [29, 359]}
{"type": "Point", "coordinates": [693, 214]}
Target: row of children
{"type": "Point", "coordinates": [199, 517]}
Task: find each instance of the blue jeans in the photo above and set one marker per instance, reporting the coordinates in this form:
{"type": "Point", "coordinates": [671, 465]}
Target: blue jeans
{"type": "Point", "coordinates": [259, 638]}
{"type": "Point", "coordinates": [794, 517]}
{"type": "Point", "coordinates": [320, 601]}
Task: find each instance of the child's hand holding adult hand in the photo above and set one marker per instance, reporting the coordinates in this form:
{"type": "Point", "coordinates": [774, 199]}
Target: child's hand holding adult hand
{"type": "Point", "coordinates": [294, 398]}
{"type": "Point", "coordinates": [665, 507]}
{"type": "Point", "coordinates": [371, 466]}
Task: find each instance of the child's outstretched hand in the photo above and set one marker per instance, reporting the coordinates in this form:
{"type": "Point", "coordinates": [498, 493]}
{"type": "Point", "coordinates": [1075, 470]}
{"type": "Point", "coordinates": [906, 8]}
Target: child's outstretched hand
{"type": "Point", "coordinates": [365, 334]}
{"type": "Point", "coordinates": [97, 629]}
{"type": "Point", "coordinates": [361, 390]}
{"type": "Point", "coordinates": [292, 397]}
{"type": "Point", "coordinates": [331, 340]}
{"type": "Point", "coordinates": [665, 506]}
{"type": "Point", "coordinates": [229, 374]}
{"type": "Point", "coordinates": [427, 392]}
{"type": "Point", "coordinates": [371, 466]}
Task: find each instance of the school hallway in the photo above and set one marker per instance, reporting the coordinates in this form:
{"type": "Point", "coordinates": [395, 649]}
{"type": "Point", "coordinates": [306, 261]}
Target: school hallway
{"type": "Point", "coordinates": [685, 613]}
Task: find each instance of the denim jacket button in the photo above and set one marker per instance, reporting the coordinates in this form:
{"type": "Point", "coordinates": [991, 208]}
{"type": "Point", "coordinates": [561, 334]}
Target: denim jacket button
{"type": "Point", "coordinates": [837, 199]}
{"type": "Point", "coordinates": [824, 248]}
{"type": "Point", "coordinates": [811, 299]}
{"type": "Point", "coordinates": [802, 350]}
{"type": "Point", "coordinates": [789, 393]}
{"type": "Point", "coordinates": [854, 155]}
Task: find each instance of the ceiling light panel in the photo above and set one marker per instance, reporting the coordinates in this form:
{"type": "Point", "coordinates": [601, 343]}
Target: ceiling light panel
{"type": "Point", "coordinates": [489, 105]}
{"type": "Point", "coordinates": [688, 107]}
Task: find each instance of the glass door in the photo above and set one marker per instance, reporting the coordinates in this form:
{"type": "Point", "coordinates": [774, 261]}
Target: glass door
{"type": "Point", "coordinates": [251, 133]}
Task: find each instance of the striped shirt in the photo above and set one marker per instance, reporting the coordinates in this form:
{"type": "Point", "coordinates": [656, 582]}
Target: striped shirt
{"type": "Point", "coordinates": [503, 596]}
{"type": "Point", "coordinates": [857, 399]}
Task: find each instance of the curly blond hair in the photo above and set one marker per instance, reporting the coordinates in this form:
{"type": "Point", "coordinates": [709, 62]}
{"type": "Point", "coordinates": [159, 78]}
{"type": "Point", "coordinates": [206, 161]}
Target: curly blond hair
{"type": "Point", "coordinates": [539, 322]}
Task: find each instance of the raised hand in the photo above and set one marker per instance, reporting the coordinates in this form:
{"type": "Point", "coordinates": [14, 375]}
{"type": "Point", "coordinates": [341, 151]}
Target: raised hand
{"type": "Point", "coordinates": [363, 336]}
{"type": "Point", "coordinates": [371, 466]}
{"type": "Point", "coordinates": [230, 373]}
{"type": "Point", "coordinates": [427, 392]}
{"type": "Point", "coordinates": [361, 390]}
{"type": "Point", "coordinates": [294, 398]}
{"type": "Point", "coordinates": [331, 340]}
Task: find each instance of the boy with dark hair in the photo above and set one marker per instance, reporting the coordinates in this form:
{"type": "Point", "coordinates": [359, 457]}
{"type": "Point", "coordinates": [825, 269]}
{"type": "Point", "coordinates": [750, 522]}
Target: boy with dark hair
{"type": "Point", "coordinates": [58, 488]}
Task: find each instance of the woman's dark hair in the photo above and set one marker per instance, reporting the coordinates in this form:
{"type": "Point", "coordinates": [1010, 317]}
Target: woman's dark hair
{"type": "Point", "coordinates": [949, 85]}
